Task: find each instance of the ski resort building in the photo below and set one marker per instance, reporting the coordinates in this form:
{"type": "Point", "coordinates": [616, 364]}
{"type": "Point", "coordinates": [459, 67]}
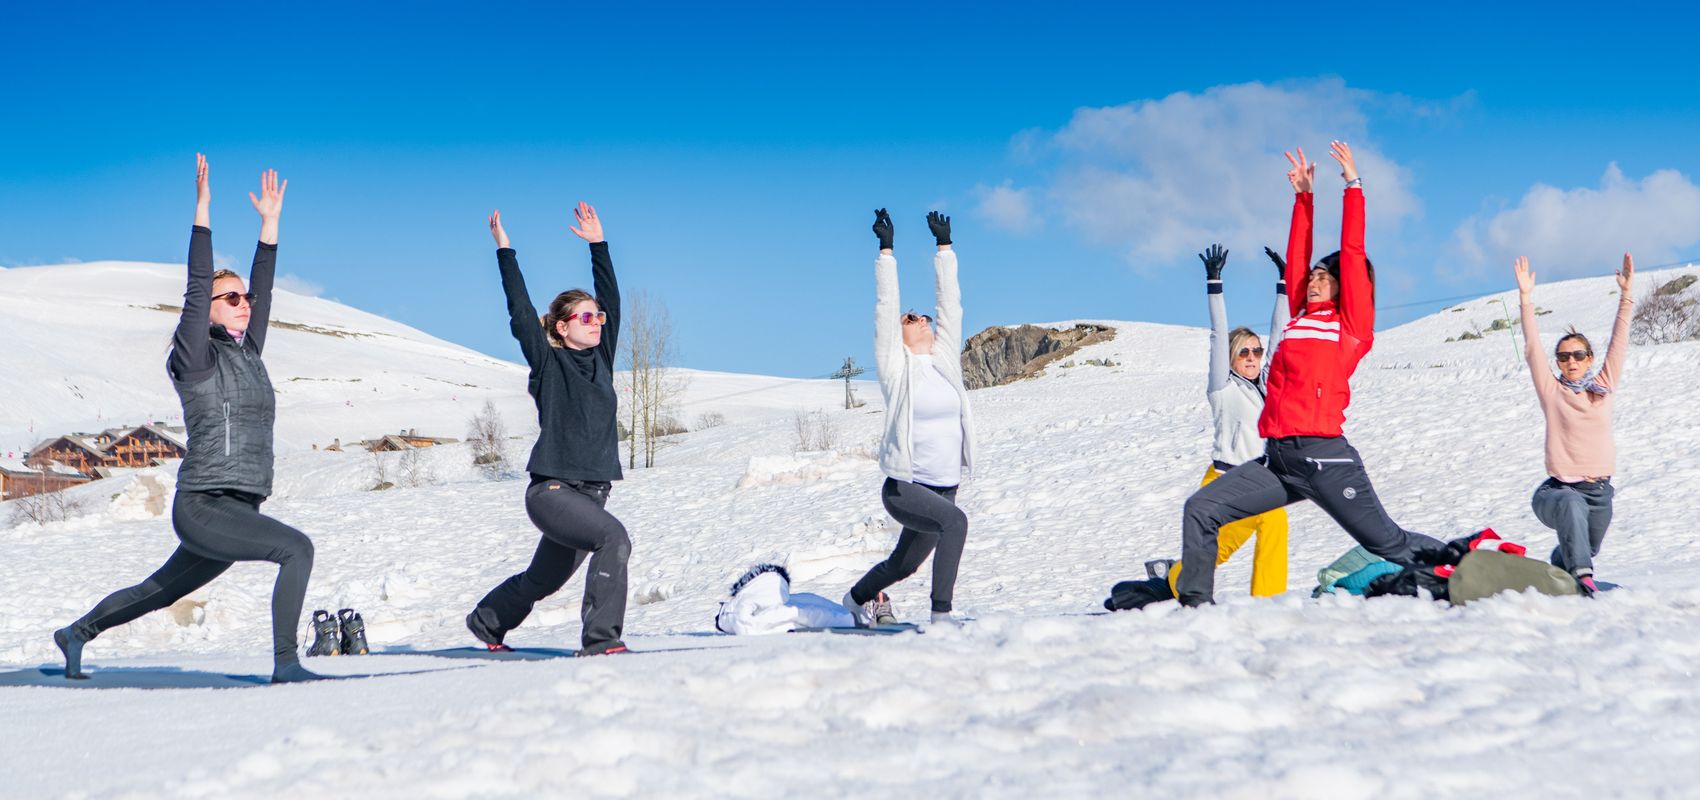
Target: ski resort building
{"type": "Point", "coordinates": [18, 479]}
{"type": "Point", "coordinates": [93, 455]}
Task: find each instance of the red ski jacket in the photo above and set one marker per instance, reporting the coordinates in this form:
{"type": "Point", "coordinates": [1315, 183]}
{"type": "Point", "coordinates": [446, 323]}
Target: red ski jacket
{"type": "Point", "coordinates": [1309, 374]}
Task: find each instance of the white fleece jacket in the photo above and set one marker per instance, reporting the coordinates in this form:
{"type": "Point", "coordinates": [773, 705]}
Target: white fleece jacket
{"type": "Point", "coordinates": [896, 364]}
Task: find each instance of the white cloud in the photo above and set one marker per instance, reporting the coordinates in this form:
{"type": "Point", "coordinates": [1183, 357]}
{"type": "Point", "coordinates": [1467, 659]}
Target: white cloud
{"type": "Point", "coordinates": [1162, 178]}
{"type": "Point", "coordinates": [1585, 231]}
{"type": "Point", "coordinates": [222, 261]}
{"type": "Point", "coordinates": [1008, 208]}
{"type": "Point", "coordinates": [299, 285]}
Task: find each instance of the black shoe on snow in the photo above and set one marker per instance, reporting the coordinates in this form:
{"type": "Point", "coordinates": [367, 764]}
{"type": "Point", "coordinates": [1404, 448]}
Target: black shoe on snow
{"type": "Point", "coordinates": [293, 672]}
{"type": "Point", "coordinates": [482, 623]}
{"type": "Point", "coordinates": [613, 648]}
{"type": "Point", "coordinates": [1131, 595]}
{"type": "Point", "coordinates": [327, 641]}
{"type": "Point", "coordinates": [353, 632]}
{"type": "Point", "coordinates": [72, 646]}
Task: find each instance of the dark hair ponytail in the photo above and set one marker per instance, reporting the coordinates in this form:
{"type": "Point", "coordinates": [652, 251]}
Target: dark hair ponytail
{"type": "Point", "coordinates": [560, 309]}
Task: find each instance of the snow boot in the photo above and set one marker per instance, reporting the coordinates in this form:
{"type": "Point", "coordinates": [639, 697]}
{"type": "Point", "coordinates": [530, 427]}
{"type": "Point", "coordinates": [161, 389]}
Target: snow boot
{"type": "Point", "coordinates": [872, 614]}
{"type": "Point", "coordinates": [353, 633]}
{"type": "Point", "coordinates": [613, 648]}
{"type": "Point", "coordinates": [327, 641]}
{"type": "Point", "coordinates": [482, 623]}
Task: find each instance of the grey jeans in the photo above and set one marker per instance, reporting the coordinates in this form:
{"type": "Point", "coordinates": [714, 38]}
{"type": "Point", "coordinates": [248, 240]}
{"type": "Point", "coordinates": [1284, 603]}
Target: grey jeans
{"type": "Point", "coordinates": [1580, 512]}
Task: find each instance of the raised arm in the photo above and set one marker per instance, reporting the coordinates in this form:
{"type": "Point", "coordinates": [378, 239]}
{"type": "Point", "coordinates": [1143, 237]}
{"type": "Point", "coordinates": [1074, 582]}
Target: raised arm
{"type": "Point", "coordinates": [1357, 294]}
{"type": "Point", "coordinates": [522, 315]}
{"type": "Point", "coordinates": [1302, 176]}
{"type": "Point", "coordinates": [191, 346]}
{"type": "Point", "coordinates": [269, 204]}
{"type": "Point", "coordinates": [888, 325]}
{"type": "Point", "coordinates": [947, 291]}
{"type": "Point", "coordinates": [1278, 318]}
{"type": "Point", "coordinates": [607, 289]}
{"type": "Point", "coordinates": [1533, 351]}
{"type": "Point", "coordinates": [1214, 259]}
{"type": "Point", "coordinates": [1618, 347]}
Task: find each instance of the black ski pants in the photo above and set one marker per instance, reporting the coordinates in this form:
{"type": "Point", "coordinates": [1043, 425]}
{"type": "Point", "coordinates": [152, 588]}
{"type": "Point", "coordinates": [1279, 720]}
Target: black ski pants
{"type": "Point", "coordinates": [575, 525]}
{"type": "Point", "coordinates": [215, 529]}
{"type": "Point", "coordinates": [1324, 470]}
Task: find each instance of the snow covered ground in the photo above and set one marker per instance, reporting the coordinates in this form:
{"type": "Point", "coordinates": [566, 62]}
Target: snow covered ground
{"type": "Point", "coordinates": [1083, 473]}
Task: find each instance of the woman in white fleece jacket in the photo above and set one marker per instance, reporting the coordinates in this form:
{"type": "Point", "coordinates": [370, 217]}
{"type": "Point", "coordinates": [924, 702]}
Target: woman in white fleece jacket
{"type": "Point", "coordinates": [929, 436]}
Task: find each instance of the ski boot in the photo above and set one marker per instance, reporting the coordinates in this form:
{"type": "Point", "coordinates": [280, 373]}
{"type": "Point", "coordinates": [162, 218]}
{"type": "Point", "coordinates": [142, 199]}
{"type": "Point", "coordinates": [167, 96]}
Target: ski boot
{"type": "Point", "coordinates": [353, 633]}
{"type": "Point", "coordinates": [327, 641]}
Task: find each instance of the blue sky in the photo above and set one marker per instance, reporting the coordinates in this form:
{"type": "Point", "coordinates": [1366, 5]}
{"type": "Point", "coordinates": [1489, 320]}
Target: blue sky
{"type": "Point", "coordinates": [735, 152]}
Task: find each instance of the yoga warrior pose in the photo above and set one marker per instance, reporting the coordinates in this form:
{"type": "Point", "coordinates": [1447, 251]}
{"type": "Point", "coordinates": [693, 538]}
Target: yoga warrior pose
{"type": "Point", "coordinates": [229, 407]}
{"type": "Point", "coordinates": [1307, 456]}
{"type": "Point", "coordinates": [576, 457]}
{"type": "Point", "coordinates": [1576, 498]}
{"type": "Point", "coordinates": [1238, 374]}
{"type": "Point", "coordinates": [929, 438]}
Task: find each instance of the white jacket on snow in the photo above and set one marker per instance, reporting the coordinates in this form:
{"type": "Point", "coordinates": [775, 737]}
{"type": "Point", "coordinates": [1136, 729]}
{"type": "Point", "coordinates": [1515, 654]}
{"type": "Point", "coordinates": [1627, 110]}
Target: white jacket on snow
{"type": "Point", "coordinates": [896, 365]}
{"type": "Point", "coordinates": [763, 604]}
{"type": "Point", "coordinates": [1236, 403]}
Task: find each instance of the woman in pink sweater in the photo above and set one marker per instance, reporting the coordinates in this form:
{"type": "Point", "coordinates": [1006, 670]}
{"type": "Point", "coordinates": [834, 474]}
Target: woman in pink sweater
{"type": "Point", "coordinates": [1575, 499]}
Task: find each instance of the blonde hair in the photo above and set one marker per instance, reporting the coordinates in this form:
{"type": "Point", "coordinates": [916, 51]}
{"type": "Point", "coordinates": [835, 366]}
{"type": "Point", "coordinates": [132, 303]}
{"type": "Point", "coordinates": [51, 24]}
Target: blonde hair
{"type": "Point", "coordinates": [1237, 338]}
{"type": "Point", "coordinates": [225, 273]}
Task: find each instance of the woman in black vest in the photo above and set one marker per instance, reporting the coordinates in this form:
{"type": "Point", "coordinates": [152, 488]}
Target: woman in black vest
{"type": "Point", "coordinates": [229, 408]}
{"type": "Point", "coordinates": [577, 454]}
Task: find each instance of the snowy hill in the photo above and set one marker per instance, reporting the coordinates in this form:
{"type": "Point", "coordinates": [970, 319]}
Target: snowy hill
{"type": "Point", "coordinates": [1083, 472]}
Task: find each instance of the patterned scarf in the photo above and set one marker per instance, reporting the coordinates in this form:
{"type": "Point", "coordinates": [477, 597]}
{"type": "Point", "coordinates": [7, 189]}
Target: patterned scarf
{"type": "Point", "coordinates": [1588, 384]}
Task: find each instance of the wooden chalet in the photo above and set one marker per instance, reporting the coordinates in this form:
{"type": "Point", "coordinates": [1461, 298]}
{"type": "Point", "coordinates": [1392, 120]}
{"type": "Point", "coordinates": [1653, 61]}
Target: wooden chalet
{"type": "Point", "coordinates": [18, 479]}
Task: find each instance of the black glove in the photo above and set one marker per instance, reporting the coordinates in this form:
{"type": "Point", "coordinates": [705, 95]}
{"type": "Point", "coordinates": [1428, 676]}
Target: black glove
{"type": "Point", "coordinates": [940, 225]}
{"type": "Point", "coordinates": [882, 228]}
{"type": "Point", "coordinates": [1214, 258]}
{"type": "Point", "coordinates": [1280, 263]}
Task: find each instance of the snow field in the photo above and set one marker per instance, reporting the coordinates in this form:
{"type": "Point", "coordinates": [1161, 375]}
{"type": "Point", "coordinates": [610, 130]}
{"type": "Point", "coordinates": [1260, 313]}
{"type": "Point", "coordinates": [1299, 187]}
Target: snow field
{"type": "Point", "coordinates": [1084, 471]}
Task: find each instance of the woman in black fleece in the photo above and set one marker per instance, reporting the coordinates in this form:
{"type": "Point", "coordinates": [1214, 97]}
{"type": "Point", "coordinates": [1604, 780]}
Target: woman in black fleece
{"type": "Point", "coordinates": [571, 356]}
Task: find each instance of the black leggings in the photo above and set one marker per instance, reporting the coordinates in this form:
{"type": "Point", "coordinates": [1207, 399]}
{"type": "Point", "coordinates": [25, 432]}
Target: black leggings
{"type": "Point", "coordinates": [1323, 470]}
{"type": "Point", "coordinates": [930, 521]}
{"type": "Point", "coordinates": [216, 529]}
{"type": "Point", "coordinates": [575, 525]}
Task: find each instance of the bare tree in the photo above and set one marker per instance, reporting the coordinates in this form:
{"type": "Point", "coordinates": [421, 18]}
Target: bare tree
{"type": "Point", "coordinates": [815, 431]}
{"type": "Point", "coordinates": [414, 469]}
{"type": "Point", "coordinates": [45, 504]}
{"type": "Point", "coordinates": [488, 436]}
{"type": "Point", "coordinates": [381, 471]}
{"type": "Point", "coordinates": [653, 386]}
{"type": "Point", "coordinates": [1666, 315]}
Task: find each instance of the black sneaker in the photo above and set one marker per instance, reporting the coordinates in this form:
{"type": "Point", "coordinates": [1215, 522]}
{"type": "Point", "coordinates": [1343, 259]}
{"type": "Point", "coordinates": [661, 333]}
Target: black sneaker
{"type": "Point", "coordinates": [327, 641]}
{"type": "Point", "coordinates": [353, 633]}
{"type": "Point", "coordinates": [482, 623]}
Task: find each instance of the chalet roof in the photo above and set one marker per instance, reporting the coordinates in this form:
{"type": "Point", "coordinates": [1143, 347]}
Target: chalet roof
{"type": "Point", "coordinates": [18, 467]}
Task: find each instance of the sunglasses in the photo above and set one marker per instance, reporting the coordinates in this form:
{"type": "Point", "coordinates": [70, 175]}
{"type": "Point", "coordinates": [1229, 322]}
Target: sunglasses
{"type": "Point", "coordinates": [914, 317]}
{"type": "Point", "coordinates": [587, 317]}
{"type": "Point", "coordinates": [1251, 351]}
{"type": "Point", "coordinates": [235, 298]}
{"type": "Point", "coordinates": [1573, 355]}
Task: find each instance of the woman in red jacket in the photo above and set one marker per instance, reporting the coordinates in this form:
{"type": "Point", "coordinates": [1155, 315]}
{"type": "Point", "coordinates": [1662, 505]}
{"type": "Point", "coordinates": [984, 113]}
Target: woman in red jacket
{"type": "Point", "coordinates": [1307, 457]}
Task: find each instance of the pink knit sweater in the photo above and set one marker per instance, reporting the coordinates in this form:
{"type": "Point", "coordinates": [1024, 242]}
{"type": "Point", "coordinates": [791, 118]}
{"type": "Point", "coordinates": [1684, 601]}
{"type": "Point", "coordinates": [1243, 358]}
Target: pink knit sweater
{"type": "Point", "coordinates": [1579, 443]}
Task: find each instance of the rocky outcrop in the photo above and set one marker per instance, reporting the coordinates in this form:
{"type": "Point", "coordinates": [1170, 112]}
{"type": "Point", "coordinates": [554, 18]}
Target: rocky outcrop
{"type": "Point", "coordinates": [1000, 355]}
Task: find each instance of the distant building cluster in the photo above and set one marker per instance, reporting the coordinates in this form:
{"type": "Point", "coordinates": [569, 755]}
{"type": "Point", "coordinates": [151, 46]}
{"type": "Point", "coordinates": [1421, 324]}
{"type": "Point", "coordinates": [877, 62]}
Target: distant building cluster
{"type": "Point", "coordinates": [77, 458]}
